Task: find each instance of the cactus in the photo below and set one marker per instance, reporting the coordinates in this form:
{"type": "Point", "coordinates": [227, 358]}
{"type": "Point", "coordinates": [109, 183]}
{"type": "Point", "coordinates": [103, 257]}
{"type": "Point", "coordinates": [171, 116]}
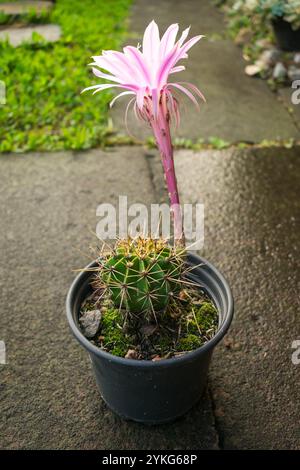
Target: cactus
{"type": "Point", "coordinates": [142, 274]}
{"type": "Point", "coordinates": [144, 74]}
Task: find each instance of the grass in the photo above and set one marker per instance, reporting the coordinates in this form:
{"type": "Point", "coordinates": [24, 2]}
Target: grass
{"type": "Point", "coordinates": [44, 109]}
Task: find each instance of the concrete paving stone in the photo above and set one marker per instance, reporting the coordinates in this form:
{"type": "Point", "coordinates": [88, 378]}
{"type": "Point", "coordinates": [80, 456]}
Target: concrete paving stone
{"type": "Point", "coordinates": [22, 7]}
{"type": "Point", "coordinates": [286, 94]}
{"type": "Point", "coordinates": [48, 396]}
{"type": "Point", "coordinates": [238, 108]}
{"type": "Point", "coordinates": [16, 36]}
{"type": "Point", "coordinates": [252, 226]}
{"type": "Point", "coordinates": [252, 208]}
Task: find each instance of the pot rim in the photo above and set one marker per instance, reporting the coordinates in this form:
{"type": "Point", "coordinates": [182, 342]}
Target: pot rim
{"type": "Point", "coordinates": [209, 345]}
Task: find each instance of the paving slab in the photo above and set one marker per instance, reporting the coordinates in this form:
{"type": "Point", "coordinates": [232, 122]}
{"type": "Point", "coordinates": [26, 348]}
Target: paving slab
{"type": "Point", "coordinates": [22, 7]}
{"type": "Point", "coordinates": [17, 36]}
{"type": "Point", "coordinates": [48, 397]}
{"type": "Point", "coordinates": [238, 108]}
{"type": "Point", "coordinates": [286, 95]}
{"type": "Point", "coordinates": [252, 226]}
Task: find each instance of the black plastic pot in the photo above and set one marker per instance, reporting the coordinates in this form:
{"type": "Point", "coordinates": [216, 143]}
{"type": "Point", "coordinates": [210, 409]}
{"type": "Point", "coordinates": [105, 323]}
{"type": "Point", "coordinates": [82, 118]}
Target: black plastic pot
{"type": "Point", "coordinates": [287, 38]}
{"type": "Point", "coordinates": [146, 391]}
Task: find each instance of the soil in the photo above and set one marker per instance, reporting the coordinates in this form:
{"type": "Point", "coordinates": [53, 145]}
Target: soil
{"type": "Point", "coordinates": [190, 320]}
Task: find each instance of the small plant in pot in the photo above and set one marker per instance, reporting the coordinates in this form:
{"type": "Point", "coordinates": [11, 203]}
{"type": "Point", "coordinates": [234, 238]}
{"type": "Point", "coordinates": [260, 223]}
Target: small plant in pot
{"type": "Point", "coordinates": [150, 312]}
{"type": "Point", "coordinates": [284, 16]}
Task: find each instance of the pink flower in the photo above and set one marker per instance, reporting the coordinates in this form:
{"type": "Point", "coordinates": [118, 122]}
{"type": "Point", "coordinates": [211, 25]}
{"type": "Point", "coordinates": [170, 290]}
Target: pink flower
{"type": "Point", "coordinates": [144, 74]}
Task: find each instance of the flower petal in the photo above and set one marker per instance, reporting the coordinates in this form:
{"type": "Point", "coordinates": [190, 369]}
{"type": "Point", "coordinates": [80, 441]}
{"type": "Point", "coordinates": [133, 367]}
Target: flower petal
{"type": "Point", "coordinates": [195, 89]}
{"type": "Point", "coordinates": [140, 97]}
{"type": "Point", "coordinates": [168, 40]}
{"type": "Point", "coordinates": [186, 91]}
{"type": "Point", "coordinates": [179, 68]}
{"type": "Point", "coordinates": [133, 71]}
{"type": "Point", "coordinates": [119, 96]}
{"type": "Point", "coordinates": [166, 66]}
{"type": "Point", "coordinates": [106, 76]}
{"type": "Point", "coordinates": [108, 63]}
{"type": "Point", "coordinates": [184, 35]}
{"type": "Point", "coordinates": [191, 42]}
{"type": "Point", "coordinates": [174, 57]}
{"type": "Point", "coordinates": [151, 43]}
{"type": "Point", "coordinates": [105, 86]}
{"type": "Point", "coordinates": [139, 62]}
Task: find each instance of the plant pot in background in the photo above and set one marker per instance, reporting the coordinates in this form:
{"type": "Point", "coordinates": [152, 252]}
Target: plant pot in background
{"type": "Point", "coordinates": [147, 391]}
{"type": "Point", "coordinates": [287, 38]}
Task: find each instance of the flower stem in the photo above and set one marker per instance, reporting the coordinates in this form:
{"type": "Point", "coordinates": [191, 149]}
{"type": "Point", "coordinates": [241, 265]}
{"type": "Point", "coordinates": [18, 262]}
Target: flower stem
{"type": "Point", "coordinates": [161, 130]}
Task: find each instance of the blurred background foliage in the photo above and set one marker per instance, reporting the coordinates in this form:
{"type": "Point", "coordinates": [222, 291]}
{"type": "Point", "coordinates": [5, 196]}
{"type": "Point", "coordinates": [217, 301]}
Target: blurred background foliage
{"type": "Point", "coordinates": [44, 108]}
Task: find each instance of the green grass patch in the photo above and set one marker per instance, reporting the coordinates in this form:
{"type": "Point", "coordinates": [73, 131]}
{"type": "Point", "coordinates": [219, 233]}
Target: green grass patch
{"type": "Point", "coordinates": [44, 109]}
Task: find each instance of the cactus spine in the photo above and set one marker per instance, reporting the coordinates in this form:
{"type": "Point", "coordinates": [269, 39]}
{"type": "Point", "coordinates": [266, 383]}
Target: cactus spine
{"type": "Point", "coordinates": [141, 275]}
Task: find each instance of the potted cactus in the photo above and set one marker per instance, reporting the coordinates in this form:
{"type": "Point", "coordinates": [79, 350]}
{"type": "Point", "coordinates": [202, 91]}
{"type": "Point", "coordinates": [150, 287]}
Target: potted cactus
{"type": "Point", "coordinates": [149, 312]}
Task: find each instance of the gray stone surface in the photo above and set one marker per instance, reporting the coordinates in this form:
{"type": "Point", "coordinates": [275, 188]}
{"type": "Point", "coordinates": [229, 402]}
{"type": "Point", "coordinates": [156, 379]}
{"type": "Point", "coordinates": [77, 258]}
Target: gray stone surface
{"type": "Point", "coordinates": [16, 36]}
{"type": "Point", "coordinates": [238, 108]}
{"type": "Point", "coordinates": [286, 97]}
{"type": "Point", "coordinates": [48, 397]}
{"type": "Point", "coordinates": [90, 322]}
{"type": "Point", "coordinates": [279, 71]}
{"type": "Point", "coordinates": [294, 73]}
{"type": "Point", "coordinates": [21, 7]}
{"type": "Point", "coordinates": [48, 204]}
{"type": "Point", "coordinates": [252, 226]}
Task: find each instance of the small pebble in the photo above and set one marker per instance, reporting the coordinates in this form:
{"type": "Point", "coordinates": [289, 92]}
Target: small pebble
{"type": "Point", "coordinates": [279, 71]}
{"type": "Point", "coordinates": [263, 43]}
{"type": "Point", "coordinates": [90, 322]}
{"type": "Point", "coordinates": [294, 73]}
{"type": "Point", "coordinates": [131, 354]}
{"type": "Point", "coordinates": [297, 58]}
{"type": "Point", "coordinates": [253, 69]}
{"type": "Point", "coordinates": [156, 358]}
{"type": "Point", "coordinates": [269, 57]}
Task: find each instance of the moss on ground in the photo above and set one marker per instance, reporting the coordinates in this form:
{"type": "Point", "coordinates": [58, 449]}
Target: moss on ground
{"type": "Point", "coordinates": [112, 335]}
{"type": "Point", "coordinates": [189, 342]}
{"type": "Point", "coordinates": [187, 324]}
{"type": "Point", "coordinates": [201, 319]}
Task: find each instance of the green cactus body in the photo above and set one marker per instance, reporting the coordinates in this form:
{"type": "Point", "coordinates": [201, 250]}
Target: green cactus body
{"type": "Point", "coordinates": [142, 280]}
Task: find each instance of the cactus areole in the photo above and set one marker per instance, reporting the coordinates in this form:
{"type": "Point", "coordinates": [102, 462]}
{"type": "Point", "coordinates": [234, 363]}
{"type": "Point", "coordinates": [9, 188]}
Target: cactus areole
{"type": "Point", "coordinates": [141, 275]}
{"type": "Point", "coordinates": [144, 73]}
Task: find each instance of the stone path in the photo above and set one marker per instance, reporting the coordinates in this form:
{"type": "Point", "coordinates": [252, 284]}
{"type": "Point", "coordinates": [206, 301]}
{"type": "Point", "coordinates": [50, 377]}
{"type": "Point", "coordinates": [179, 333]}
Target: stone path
{"type": "Point", "coordinates": [48, 398]}
{"type": "Point", "coordinates": [239, 108]}
{"type": "Point", "coordinates": [17, 35]}
{"type": "Point", "coordinates": [252, 234]}
{"type": "Point", "coordinates": [286, 95]}
{"type": "Point", "coordinates": [22, 7]}
{"type": "Point", "coordinates": [48, 395]}
{"type": "Point", "coordinates": [252, 207]}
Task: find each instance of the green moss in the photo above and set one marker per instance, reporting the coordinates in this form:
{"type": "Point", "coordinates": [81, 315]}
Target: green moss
{"type": "Point", "coordinates": [189, 342]}
{"type": "Point", "coordinates": [202, 319]}
{"type": "Point", "coordinates": [165, 343]}
{"type": "Point", "coordinates": [115, 340]}
{"type": "Point", "coordinates": [187, 324]}
{"type": "Point", "coordinates": [207, 315]}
